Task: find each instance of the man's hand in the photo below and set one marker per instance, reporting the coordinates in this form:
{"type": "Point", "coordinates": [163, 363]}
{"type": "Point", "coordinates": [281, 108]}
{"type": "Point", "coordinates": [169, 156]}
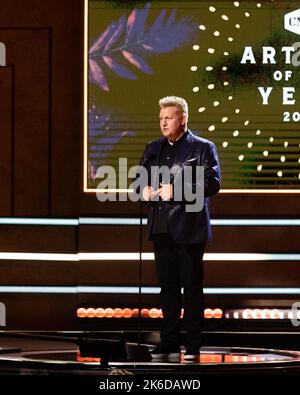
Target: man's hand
{"type": "Point", "coordinates": [149, 193]}
{"type": "Point", "coordinates": [165, 191]}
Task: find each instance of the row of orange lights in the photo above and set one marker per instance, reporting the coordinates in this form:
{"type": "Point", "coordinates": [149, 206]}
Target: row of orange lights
{"type": "Point", "coordinates": [203, 358]}
{"type": "Point", "coordinates": [109, 312]}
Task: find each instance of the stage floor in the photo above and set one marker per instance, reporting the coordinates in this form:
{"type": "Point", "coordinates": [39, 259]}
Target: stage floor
{"type": "Point", "coordinates": [54, 353]}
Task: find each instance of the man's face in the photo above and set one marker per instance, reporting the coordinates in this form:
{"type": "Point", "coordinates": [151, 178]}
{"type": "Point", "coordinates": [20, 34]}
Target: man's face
{"type": "Point", "coordinates": [172, 123]}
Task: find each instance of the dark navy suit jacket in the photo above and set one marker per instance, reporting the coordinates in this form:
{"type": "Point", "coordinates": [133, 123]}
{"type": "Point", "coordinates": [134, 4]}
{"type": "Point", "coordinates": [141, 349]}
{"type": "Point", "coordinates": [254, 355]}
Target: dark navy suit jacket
{"type": "Point", "coordinates": [187, 227]}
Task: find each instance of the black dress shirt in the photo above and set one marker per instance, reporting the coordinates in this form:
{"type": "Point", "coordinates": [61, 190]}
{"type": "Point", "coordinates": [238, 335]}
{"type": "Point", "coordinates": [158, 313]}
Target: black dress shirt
{"type": "Point", "coordinates": [166, 158]}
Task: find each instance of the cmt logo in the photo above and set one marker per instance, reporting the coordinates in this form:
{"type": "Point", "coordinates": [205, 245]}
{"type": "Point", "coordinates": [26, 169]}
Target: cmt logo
{"type": "Point", "coordinates": [2, 314]}
{"type": "Point", "coordinates": [2, 54]}
{"type": "Point", "coordinates": [292, 21]}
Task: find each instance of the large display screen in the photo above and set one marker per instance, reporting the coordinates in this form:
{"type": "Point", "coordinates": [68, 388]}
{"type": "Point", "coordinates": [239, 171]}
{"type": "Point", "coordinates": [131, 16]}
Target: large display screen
{"type": "Point", "coordinates": [236, 64]}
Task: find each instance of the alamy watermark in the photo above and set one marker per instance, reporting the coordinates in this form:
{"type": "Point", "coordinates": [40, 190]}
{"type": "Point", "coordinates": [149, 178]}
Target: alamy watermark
{"type": "Point", "coordinates": [187, 183]}
{"type": "Point", "coordinates": [2, 54]}
{"type": "Point", "coordinates": [295, 314]}
{"type": "Point", "coordinates": [2, 314]}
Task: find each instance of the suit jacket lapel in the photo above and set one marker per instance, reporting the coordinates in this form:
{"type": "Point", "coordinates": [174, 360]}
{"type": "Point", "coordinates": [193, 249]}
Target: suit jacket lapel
{"type": "Point", "coordinates": [184, 149]}
{"type": "Point", "coordinates": [182, 154]}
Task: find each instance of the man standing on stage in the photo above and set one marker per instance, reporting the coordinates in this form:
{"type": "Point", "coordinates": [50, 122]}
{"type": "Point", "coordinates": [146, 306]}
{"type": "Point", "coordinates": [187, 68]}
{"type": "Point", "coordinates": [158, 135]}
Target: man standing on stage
{"type": "Point", "coordinates": [179, 235]}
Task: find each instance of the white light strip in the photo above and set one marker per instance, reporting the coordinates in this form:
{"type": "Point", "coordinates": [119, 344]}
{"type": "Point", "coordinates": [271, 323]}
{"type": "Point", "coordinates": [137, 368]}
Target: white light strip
{"type": "Point", "coordinates": [85, 92]}
{"type": "Point", "coordinates": [144, 290]}
{"type": "Point", "coordinates": [149, 256]}
{"type": "Point", "coordinates": [136, 221]}
{"type": "Point", "coordinates": [278, 191]}
{"type": "Point", "coordinates": [115, 290]}
{"type": "Point", "coordinates": [215, 222]}
{"type": "Point", "coordinates": [38, 289]}
{"type": "Point", "coordinates": [32, 256]}
{"type": "Point", "coordinates": [255, 222]}
{"type": "Point", "coordinates": [241, 291]}
{"type": "Point", "coordinates": [38, 221]}
{"type": "Point", "coordinates": [134, 256]}
{"type": "Point", "coordinates": [111, 221]}
{"type": "Point", "coordinates": [252, 191]}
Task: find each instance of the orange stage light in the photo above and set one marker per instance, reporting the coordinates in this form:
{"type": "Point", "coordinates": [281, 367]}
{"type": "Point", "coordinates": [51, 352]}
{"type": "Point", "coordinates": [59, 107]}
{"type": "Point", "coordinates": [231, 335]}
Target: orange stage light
{"type": "Point", "coordinates": [81, 312]}
{"type": "Point", "coordinates": [100, 313]}
{"type": "Point", "coordinates": [109, 313]}
{"type": "Point", "coordinates": [145, 313]}
{"type": "Point", "coordinates": [118, 313]}
{"type": "Point", "coordinates": [217, 313]}
{"type": "Point", "coordinates": [127, 313]}
{"type": "Point", "coordinates": [91, 313]}
{"type": "Point", "coordinates": [208, 313]}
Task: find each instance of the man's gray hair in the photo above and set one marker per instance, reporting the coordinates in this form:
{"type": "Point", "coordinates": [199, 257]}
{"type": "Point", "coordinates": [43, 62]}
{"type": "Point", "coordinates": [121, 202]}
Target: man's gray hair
{"type": "Point", "coordinates": [175, 101]}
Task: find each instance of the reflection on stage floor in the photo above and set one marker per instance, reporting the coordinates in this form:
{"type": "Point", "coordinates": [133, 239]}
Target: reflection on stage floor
{"type": "Point", "coordinates": [48, 353]}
